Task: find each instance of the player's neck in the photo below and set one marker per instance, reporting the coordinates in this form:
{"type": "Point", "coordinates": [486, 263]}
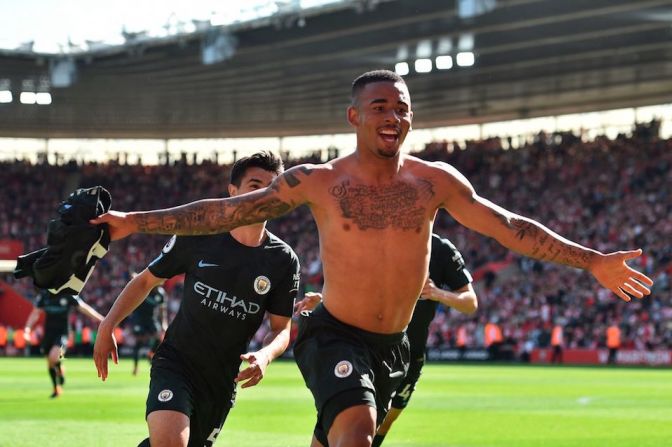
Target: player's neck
{"type": "Point", "coordinates": [378, 169]}
{"type": "Point", "coordinates": [250, 235]}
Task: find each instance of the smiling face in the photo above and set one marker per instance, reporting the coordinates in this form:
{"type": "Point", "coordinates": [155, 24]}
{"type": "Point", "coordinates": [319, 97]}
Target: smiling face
{"type": "Point", "coordinates": [381, 114]}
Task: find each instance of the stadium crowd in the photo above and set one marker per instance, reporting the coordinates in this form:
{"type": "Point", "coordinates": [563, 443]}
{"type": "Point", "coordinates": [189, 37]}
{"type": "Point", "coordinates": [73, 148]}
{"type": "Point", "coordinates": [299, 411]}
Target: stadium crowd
{"type": "Point", "coordinates": [602, 193]}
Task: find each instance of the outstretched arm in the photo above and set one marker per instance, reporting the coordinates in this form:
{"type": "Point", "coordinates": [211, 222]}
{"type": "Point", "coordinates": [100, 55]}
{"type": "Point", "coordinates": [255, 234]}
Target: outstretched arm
{"type": "Point", "coordinates": [532, 239]}
{"type": "Point", "coordinates": [130, 298]}
{"type": "Point", "coordinates": [212, 216]}
{"type": "Point", "coordinates": [275, 343]}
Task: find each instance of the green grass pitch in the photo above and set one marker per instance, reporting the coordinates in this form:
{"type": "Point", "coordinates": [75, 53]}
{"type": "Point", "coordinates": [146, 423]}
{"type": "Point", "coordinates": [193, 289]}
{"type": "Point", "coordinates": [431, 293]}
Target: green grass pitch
{"type": "Point", "coordinates": [454, 406]}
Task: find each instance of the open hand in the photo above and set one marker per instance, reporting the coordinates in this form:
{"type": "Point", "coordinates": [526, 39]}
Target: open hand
{"type": "Point", "coordinates": [309, 302]}
{"type": "Point", "coordinates": [614, 274]}
{"type": "Point", "coordinates": [105, 346]}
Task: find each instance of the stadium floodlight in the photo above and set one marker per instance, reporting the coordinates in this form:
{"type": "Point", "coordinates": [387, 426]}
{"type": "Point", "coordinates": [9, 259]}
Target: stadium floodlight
{"type": "Point", "coordinates": [401, 68]}
{"type": "Point", "coordinates": [27, 98]}
{"type": "Point", "coordinates": [444, 62]}
{"type": "Point", "coordinates": [43, 98]}
{"type": "Point", "coordinates": [5, 97]}
{"type": "Point", "coordinates": [423, 65]}
{"type": "Point", "coordinates": [465, 59]}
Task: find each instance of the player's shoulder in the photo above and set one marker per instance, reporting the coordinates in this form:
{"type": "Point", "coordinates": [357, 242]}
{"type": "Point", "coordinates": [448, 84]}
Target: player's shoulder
{"type": "Point", "coordinates": [283, 249]}
{"type": "Point", "coordinates": [428, 168]}
{"type": "Point", "coordinates": [443, 243]}
{"type": "Point", "coordinates": [310, 169]}
{"type": "Point", "coordinates": [185, 242]}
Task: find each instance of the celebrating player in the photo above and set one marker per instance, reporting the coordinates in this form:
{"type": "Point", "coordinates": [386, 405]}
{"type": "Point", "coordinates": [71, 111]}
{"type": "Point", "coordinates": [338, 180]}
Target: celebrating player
{"type": "Point", "coordinates": [374, 210]}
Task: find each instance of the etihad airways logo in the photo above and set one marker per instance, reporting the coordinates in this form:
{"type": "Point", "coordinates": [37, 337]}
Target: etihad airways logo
{"type": "Point", "coordinates": [227, 304]}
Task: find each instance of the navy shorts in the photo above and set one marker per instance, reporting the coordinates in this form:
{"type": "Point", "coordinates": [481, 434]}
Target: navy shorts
{"type": "Point", "coordinates": [171, 389]}
{"type": "Point", "coordinates": [344, 366]}
{"type": "Point", "coordinates": [54, 338]}
{"type": "Point", "coordinates": [405, 390]}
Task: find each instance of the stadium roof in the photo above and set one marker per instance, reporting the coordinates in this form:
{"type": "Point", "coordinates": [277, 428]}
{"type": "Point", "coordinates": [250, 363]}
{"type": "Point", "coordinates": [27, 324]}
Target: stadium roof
{"type": "Point", "coordinates": [290, 73]}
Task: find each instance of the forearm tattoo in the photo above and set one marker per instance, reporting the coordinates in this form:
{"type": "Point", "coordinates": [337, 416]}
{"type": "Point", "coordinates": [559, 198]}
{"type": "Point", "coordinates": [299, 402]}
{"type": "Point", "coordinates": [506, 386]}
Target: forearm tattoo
{"type": "Point", "coordinates": [399, 205]}
{"type": "Point", "coordinates": [214, 216]}
{"type": "Point", "coordinates": [545, 247]}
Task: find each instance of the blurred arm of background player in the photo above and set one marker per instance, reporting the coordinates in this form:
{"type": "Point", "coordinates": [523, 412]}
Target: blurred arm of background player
{"type": "Point", "coordinates": [82, 307]}
{"type": "Point", "coordinates": [163, 316]}
{"type": "Point", "coordinates": [30, 322]}
{"type": "Point", "coordinates": [128, 300]}
{"type": "Point", "coordinates": [463, 300]}
{"type": "Point", "coordinates": [89, 311]}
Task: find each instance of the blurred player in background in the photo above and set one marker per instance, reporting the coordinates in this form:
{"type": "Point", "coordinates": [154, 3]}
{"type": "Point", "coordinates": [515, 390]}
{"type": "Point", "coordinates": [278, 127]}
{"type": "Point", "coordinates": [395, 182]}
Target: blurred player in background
{"type": "Point", "coordinates": [56, 309]}
{"type": "Point", "coordinates": [449, 283]}
{"type": "Point", "coordinates": [232, 280]}
{"type": "Point", "coordinates": [149, 322]}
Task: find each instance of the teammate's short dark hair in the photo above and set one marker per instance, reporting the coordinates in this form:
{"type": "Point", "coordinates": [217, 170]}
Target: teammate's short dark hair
{"type": "Point", "coordinates": [264, 159]}
{"type": "Point", "coordinates": [373, 76]}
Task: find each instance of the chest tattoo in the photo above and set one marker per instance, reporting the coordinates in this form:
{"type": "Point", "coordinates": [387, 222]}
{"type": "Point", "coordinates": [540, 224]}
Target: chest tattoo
{"type": "Point", "coordinates": [399, 205]}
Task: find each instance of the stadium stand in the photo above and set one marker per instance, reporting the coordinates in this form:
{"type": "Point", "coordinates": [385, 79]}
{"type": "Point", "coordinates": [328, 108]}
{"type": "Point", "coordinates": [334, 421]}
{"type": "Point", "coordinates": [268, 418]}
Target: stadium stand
{"type": "Point", "coordinates": [588, 190]}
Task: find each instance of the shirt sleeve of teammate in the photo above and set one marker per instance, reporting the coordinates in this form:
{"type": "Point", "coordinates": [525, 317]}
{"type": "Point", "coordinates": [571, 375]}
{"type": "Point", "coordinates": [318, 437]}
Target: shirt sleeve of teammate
{"type": "Point", "coordinates": [456, 274]}
{"type": "Point", "coordinates": [173, 259]}
{"type": "Point", "coordinates": [282, 301]}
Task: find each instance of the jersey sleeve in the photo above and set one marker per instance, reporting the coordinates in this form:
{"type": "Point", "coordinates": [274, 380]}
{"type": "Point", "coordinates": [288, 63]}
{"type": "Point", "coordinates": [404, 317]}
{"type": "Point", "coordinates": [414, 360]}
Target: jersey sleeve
{"type": "Point", "coordinates": [455, 272]}
{"type": "Point", "coordinates": [282, 301]}
{"type": "Point", "coordinates": [172, 260]}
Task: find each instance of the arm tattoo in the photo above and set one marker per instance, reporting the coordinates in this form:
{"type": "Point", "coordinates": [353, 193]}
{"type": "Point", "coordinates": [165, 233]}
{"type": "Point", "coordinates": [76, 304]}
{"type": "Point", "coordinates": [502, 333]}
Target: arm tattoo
{"type": "Point", "coordinates": [291, 179]}
{"type": "Point", "coordinates": [545, 246]}
{"type": "Point", "coordinates": [214, 216]}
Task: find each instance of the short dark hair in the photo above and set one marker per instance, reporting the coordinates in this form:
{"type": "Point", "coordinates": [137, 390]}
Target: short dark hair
{"type": "Point", "coordinates": [373, 76]}
{"type": "Point", "coordinates": [263, 159]}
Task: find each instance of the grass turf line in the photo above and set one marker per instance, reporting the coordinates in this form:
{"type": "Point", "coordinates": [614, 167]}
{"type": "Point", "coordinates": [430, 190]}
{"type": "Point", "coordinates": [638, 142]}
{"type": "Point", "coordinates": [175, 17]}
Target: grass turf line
{"type": "Point", "coordinates": [454, 406]}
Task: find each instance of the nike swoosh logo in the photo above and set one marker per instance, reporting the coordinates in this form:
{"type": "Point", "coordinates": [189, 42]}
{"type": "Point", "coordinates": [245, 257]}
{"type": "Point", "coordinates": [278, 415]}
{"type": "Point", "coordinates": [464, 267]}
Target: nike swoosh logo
{"type": "Point", "coordinates": [206, 264]}
{"type": "Point", "coordinates": [395, 374]}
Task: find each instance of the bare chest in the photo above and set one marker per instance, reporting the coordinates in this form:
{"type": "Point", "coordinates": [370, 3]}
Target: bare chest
{"type": "Point", "coordinates": [405, 205]}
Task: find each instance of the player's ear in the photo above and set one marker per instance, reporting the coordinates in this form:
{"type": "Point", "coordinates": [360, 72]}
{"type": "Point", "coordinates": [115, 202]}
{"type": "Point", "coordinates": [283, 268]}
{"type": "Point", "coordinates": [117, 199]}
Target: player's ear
{"type": "Point", "coordinates": [353, 116]}
{"type": "Point", "coordinates": [233, 190]}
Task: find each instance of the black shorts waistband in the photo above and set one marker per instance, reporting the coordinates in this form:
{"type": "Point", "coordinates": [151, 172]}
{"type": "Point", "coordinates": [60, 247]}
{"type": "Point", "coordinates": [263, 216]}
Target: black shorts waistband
{"type": "Point", "coordinates": [372, 337]}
